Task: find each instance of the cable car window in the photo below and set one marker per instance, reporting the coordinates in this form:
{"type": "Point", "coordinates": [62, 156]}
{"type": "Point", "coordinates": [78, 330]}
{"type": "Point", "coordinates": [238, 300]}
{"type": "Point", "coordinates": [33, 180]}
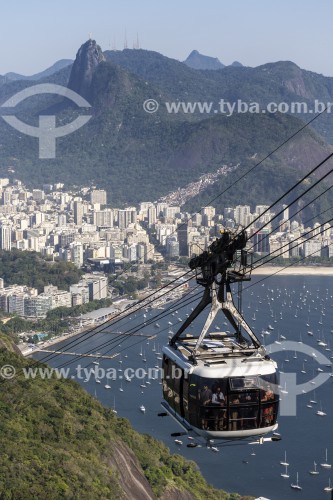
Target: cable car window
{"type": "Point", "coordinates": [185, 399]}
{"type": "Point", "coordinates": [193, 400]}
{"type": "Point", "coordinates": [240, 383]}
{"type": "Point", "coordinates": [176, 393]}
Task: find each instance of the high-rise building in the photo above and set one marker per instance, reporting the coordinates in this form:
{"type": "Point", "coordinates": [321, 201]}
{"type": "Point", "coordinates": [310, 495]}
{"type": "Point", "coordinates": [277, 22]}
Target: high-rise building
{"type": "Point", "coordinates": [104, 218]}
{"type": "Point", "coordinates": [77, 253]}
{"type": "Point", "coordinates": [241, 213]}
{"type": "Point", "coordinates": [98, 196]}
{"type": "Point", "coordinates": [172, 247]}
{"type": "Point", "coordinates": [261, 241]}
{"type": "Point", "coordinates": [78, 212]}
{"type": "Point", "coordinates": [126, 217]}
{"type": "Point", "coordinates": [182, 234]}
{"type": "Point", "coordinates": [152, 215]}
{"type": "Point", "coordinates": [5, 237]}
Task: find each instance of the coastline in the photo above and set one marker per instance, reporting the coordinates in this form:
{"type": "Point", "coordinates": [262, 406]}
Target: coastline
{"type": "Point", "coordinates": [294, 270]}
{"type": "Point", "coordinates": [262, 271]}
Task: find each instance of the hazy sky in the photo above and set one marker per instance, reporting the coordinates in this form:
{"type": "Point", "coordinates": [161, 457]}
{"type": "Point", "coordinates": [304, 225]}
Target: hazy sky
{"type": "Point", "coordinates": [36, 33]}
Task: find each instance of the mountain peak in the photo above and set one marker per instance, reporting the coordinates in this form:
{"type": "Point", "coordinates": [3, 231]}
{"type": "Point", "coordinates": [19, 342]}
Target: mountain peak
{"type": "Point", "coordinates": [87, 59]}
{"type": "Point", "coordinates": [198, 61]}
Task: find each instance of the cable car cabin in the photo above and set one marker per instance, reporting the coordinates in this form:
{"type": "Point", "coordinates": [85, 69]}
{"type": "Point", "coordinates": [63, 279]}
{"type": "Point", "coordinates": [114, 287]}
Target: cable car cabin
{"type": "Point", "coordinates": [220, 384]}
{"type": "Point", "coordinates": [228, 399]}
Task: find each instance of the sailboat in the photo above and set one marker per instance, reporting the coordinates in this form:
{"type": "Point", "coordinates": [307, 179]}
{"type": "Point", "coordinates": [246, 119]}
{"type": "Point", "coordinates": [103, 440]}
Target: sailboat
{"type": "Point", "coordinates": [320, 412]}
{"type": "Point", "coordinates": [142, 408]}
{"type": "Point", "coordinates": [314, 472]}
{"type": "Point", "coordinates": [285, 474]}
{"type": "Point", "coordinates": [313, 401]}
{"type": "Point", "coordinates": [121, 387]}
{"type": "Point", "coordinates": [326, 465]}
{"type": "Point", "coordinates": [114, 406]}
{"type": "Point", "coordinates": [329, 487]}
{"type": "Point", "coordinates": [296, 486]}
{"type": "Point", "coordinates": [285, 460]}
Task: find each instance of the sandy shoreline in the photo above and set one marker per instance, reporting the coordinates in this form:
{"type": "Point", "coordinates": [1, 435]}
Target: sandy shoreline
{"type": "Point", "coordinates": [295, 270]}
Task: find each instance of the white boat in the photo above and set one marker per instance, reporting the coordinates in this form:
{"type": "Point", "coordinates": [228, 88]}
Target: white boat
{"type": "Point", "coordinates": [214, 448]}
{"type": "Point", "coordinates": [314, 472]}
{"type": "Point", "coordinates": [326, 465]}
{"type": "Point", "coordinates": [107, 386]}
{"type": "Point", "coordinates": [329, 487]}
{"type": "Point", "coordinates": [114, 406]}
{"type": "Point", "coordinates": [296, 486]}
{"type": "Point", "coordinates": [178, 441]}
{"type": "Point", "coordinates": [97, 381]}
{"type": "Point", "coordinates": [285, 463]}
{"type": "Point", "coordinates": [320, 412]}
{"type": "Point", "coordinates": [121, 387]}
{"type": "Point", "coordinates": [142, 408]}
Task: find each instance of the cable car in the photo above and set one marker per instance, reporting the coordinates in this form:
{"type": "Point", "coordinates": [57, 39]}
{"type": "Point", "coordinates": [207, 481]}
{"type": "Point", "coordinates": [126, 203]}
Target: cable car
{"type": "Point", "coordinates": [220, 384]}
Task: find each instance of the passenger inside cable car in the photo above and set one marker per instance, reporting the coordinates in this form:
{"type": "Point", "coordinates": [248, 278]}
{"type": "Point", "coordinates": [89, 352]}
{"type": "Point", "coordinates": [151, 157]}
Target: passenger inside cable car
{"type": "Point", "coordinates": [224, 404]}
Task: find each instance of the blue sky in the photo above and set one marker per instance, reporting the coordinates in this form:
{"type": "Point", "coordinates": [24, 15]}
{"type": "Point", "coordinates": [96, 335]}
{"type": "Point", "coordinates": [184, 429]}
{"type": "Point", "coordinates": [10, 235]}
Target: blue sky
{"type": "Point", "coordinates": [36, 33]}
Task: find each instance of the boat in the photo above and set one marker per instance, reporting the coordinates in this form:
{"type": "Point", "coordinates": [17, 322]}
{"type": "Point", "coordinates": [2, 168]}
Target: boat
{"type": "Point", "coordinates": [314, 472]}
{"type": "Point", "coordinates": [329, 487]}
{"type": "Point", "coordinates": [320, 412]}
{"type": "Point", "coordinates": [107, 386]}
{"type": "Point", "coordinates": [114, 406]}
{"type": "Point", "coordinates": [121, 387]}
{"type": "Point", "coordinates": [296, 486]}
{"type": "Point", "coordinates": [142, 408]}
{"type": "Point", "coordinates": [214, 448]}
{"type": "Point", "coordinates": [178, 441]}
{"type": "Point", "coordinates": [326, 465]}
{"type": "Point", "coordinates": [97, 381]}
{"type": "Point", "coordinates": [285, 463]}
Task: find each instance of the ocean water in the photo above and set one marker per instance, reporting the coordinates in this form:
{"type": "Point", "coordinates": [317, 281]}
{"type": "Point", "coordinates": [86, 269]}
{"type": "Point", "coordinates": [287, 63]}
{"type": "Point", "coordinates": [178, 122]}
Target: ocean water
{"type": "Point", "coordinates": [292, 306]}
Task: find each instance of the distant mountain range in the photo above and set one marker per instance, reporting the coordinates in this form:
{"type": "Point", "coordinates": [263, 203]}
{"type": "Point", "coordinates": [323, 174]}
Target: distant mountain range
{"type": "Point", "coordinates": [198, 61]}
{"type": "Point", "coordinates": [8, 77]}
{"type": "Point", "coordinates": [139, 156]}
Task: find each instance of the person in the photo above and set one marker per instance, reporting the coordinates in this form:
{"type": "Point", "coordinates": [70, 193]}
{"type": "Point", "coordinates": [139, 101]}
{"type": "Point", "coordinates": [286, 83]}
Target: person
{"type": "Point", "coordinates": [218, 396]}
{"type": "Point", "coordinates": [268, 395]}
{"type": "Point", "coordinates": [268, 411]}
{"type": "Point", "coordinates": [206, 399]}
{"type": "Point", "coordinates": [219, 399]}
{"type": "Point", "coordinates": [234, 400]}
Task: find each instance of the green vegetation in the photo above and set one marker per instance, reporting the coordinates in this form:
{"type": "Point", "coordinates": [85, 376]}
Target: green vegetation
{"type": "Point", "coordinates": [59, 442]}
{"type": "Point", "coordinates": [129, 284]}
{"type": "Point", "coordinates": [31, 269]}
{"type": "Point", "coordinates": [159, 152]}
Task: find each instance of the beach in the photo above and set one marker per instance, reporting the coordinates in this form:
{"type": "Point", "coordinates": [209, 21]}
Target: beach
{"type": "Point", "coordinates": [294, 270]}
